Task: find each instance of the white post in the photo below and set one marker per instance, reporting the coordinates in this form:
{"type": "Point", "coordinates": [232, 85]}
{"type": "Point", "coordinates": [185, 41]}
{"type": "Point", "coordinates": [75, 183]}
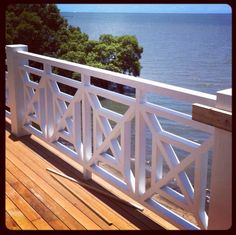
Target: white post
{"type": "Point", "coordinates": [86, 125]}
{"type": "Point", "coordinates": [49, 103]}
{"type": "Point", "coordinates": [140, 143]}
{"type": "Point", "coordinates": [16, 88]}
{"type": "Point", "coordinates": [220, 210]}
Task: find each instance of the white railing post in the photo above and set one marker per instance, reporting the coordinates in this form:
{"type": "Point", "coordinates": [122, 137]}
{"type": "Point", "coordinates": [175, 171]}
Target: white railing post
{"type": "Point", "coordinates": [140, 164]}
{"type": "Point", "coordinates": [16, 88]}
{"type": "Point", "coordinates": [220, 210]}
{"type": "Point", "coordinates": [49, 103]}
{"type": "Point", "coordinates": [87, 128]}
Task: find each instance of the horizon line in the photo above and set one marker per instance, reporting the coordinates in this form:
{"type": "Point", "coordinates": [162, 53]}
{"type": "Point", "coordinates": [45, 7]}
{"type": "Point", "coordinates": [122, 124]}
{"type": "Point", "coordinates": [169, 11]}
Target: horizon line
{"type": "Point", "coordinates": [224, 13]}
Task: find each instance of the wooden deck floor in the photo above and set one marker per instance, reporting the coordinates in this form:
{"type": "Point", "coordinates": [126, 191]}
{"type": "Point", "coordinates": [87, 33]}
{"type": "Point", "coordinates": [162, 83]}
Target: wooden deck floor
{"type": "Point", "coordinates": [37, 201]}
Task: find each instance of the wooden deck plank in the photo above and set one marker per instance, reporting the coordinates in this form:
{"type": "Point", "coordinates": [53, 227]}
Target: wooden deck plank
{"type": "Point", "coordinates": [26, 209]}
{"type": "Point", "coordinates": [64, 216]}
{"type": "Point", "coordinates": [118, 220]}
{"type": "Point", "coordinates": [146, 216]}
{"type": "Point", "coordinates": [64, 209]}
{"type": "Point", "coordinates": [27, 160]}
{"type": "Point", "coordinates": [139, 219]}
{"type": "Point", "coordinates": [41, 170]}
{"type": "Point", "coordinates": [144, 220]}
{"type": "Point", "coordinates": [41, 224]}
{"type": "Point", "coordinates": [35, 203]}
{"type": "Point", "coordinates": [98, 204]}
{"type": "Point", "coordinates": [23, 206]}
{"type": "Point", "coordinates": [18, 216]}
{"type": "Point", "coordinates": [49, 201]}
{"type": "Point", "coordinates": [10, 223]}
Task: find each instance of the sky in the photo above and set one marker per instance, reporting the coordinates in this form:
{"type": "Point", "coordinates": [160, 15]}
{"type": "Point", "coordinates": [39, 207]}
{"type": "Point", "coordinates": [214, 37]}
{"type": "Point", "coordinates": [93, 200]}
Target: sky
{"type": "Point", "coordinates": [147, 8]}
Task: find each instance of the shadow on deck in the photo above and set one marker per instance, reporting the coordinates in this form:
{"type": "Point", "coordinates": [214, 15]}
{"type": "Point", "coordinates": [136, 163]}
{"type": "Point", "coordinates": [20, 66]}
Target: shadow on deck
{"type": "Point", "coordinates": [36, 200]}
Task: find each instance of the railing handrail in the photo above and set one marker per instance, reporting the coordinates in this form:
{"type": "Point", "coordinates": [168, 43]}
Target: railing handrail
{"type": "Point", "coordinates": [135, 82]}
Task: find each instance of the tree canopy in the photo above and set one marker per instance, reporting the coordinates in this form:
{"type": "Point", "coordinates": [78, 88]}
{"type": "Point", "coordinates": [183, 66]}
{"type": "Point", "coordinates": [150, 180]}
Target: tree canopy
{"type": "Point", "coordinates": [45, 31]}
{"type": "Point", "coordinates": [40, 26]}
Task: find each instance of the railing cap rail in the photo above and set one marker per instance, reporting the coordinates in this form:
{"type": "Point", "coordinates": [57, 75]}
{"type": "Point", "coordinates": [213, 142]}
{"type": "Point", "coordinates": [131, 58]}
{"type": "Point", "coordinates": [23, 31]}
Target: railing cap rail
{"type": "Point", "coordinates": [136, 82]}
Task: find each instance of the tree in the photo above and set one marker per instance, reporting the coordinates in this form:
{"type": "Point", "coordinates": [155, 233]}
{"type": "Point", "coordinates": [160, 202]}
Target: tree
{"type": "Point", "coordinates": [40, 26]}
{"type": "Point", "coordinates": [46, 32]}
{"type": "Point", "coordinates": [118, 54]}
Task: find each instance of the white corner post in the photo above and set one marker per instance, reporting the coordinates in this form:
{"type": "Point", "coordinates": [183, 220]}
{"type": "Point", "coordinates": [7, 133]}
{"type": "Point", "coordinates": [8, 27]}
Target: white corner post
{"type": "Point", "coordinates": [87, 127]}
{"type": "Point", "coordinates": [220, 210]}
{"type": "Point", "coordinates": [16, 88]}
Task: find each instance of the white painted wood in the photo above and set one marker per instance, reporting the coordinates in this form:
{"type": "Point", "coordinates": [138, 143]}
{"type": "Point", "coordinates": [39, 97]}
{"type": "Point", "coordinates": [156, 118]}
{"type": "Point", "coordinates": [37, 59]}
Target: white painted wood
{"type": "Point", "coordinates": [16, 88]}
{"type": "Point", "coordinates": [178, 141]}
{"type": "Point", "coordinates": [112, 95]}
{"type": "Point", "coordinates": [116, 117]}
{"type": "Point", "coordinates": [63, 96]}
{"type": "Point", "coordinates": [220, 210]}
{"type": "Point", "coordinates": [31, 84]}
{"type": "Point", "coordinates": [42, 110]}
{"type": "Point", "coordinates": [224, 100]}
{"type": "Point", "coordinates": [150, 86]}
{"type": "Point", "coordinates": [200, 184]}
{"type": "Point", "coordinates": [32, 70]}
{"type": "Point", "coordinates": [87, 130]}
{"type": "Point", "coordinates": [114, 144]}
{"type": "Point", "coordinates": [126, 155]}
{"type": "Point", "coordinates": [169, 215]}
{"type": "Point", "coordinates": [66, 81]}
{"type": "Point", "coordinates": [97, 133]}
{"type": "Point", "coordinates": [115, 181]}
{"type": "Point", "coordinates": [7, 90]}
{"type": "Point", "coordinates": [53, 115]}
{"type": "Point", "coordinates": [140, 142]}
{"type": "Point", "coordinates": [8, 114]}
{"type": "Point", "coordinates": [33, 130]}
{"type": "Point", "coordinates": [176, 116]}
{"type": "Point", "coordinates": [76, 128]}
{"type": "Point", "coordinates": [157, 163]}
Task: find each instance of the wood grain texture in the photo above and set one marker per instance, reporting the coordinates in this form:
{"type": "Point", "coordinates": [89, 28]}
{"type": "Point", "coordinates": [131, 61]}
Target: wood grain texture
{"type": "Point", "coordinates": [18, 216]}
{"type": "Point", "coordinates": [10, 223]}
{"type": "Point", "coordinates": [44, 204]}
{"type": "Point", "coordinates": [212, 116]}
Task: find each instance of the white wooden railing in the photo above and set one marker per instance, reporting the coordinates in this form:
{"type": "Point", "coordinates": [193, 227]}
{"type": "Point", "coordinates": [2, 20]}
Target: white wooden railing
{"type": "Point", "coordinates": [113, 144]}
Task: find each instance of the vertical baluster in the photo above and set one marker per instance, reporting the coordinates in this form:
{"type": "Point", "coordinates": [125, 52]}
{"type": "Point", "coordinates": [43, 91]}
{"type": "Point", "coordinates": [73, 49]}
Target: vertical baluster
{"type": "Point", "coordinates": [49, 103]}
{"type": "Point", "coordinates": [97, 133]}
{"type": "Point", "coordinates": [43, 110]}
{"type": "Point", "coordinates": [77, 127]}
{"type": "Point", "coordinates": [87, 129]}
{"type": "Point", "coordinates": [126, 154]}
{"type": "Point", "coordinates": [157, 163]}
{"type": "Point", "coordinates": [200, 182]}
{"type": "Point", "coordinates": [139, 146]}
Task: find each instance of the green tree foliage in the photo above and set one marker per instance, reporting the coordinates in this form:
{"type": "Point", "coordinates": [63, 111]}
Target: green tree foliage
{"type": "Point", "coordinates": [119, 54]}
{"type": "Point", "coordinates": [45, 31]}
{"type": "Point", "coordinates": [40, 26]}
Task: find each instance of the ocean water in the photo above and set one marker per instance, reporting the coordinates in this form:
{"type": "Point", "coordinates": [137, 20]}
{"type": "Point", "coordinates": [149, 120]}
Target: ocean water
{"type": "Point", "coordinates": [188, 50]}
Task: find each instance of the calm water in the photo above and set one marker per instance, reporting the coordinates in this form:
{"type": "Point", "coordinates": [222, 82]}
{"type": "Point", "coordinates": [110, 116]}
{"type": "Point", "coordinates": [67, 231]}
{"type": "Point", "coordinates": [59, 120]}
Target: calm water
{"type": "Point", "coordinates": [187, 50]}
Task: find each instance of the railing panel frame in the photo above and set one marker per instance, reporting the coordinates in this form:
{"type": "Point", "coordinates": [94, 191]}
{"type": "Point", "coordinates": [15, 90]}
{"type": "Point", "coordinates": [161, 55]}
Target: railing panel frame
{"type": "Point", "coordinates": [79, 118]}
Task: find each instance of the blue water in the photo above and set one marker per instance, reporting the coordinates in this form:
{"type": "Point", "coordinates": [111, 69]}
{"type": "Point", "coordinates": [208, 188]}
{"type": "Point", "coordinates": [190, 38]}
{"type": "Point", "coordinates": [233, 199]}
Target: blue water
{"type": "Point", "coordinates": [187, 50]}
